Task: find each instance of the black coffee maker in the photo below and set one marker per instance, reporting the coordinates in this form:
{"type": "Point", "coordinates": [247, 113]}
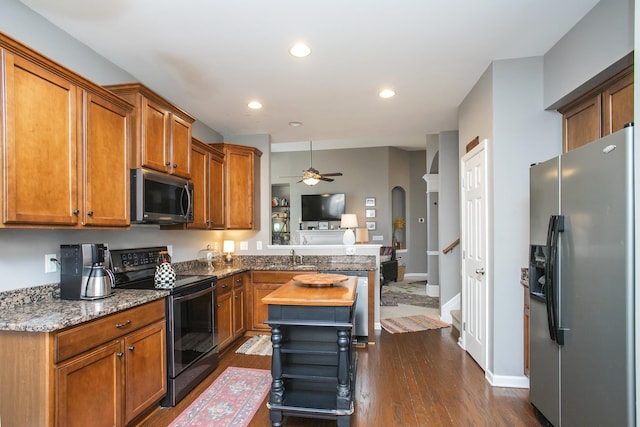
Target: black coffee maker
{"type": "Point", "coordinates": [84, 272]}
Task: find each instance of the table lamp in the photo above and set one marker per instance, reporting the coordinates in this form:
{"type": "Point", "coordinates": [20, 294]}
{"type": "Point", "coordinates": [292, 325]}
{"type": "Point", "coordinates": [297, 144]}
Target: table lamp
{"type": "Point", "coordinates": [228, 246]}
{"type": "Point", "coordinates": [348, 221]}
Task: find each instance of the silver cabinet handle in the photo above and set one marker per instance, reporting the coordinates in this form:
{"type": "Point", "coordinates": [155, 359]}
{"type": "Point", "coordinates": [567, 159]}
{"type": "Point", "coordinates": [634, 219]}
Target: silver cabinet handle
{"type": "Point", "coordinates": [122, 325]}
{"type": "Point", "coordinates": [480, 271]}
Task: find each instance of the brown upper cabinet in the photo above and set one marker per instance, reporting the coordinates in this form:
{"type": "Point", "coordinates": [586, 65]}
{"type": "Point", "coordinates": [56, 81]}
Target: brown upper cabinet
{"type": "Point", "coordinates": [65, 145]}
{"type": "Point", "coordinates": [241, 186]}
{"type": "Point", "coordinates": [161, 131]}
{"type": "Point", "coordinates": [602, 111]}
{"type": "Point", "coordinates": [207, 174]}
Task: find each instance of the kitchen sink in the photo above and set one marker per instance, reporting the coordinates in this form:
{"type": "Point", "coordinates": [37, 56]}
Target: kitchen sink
{"type": "Point", "coordinates": [292, 267]}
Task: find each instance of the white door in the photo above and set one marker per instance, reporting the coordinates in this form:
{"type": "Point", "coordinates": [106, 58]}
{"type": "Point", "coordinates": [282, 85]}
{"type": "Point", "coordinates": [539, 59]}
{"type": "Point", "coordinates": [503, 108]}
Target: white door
{"type": "Point", "coordinates": [473, 240]}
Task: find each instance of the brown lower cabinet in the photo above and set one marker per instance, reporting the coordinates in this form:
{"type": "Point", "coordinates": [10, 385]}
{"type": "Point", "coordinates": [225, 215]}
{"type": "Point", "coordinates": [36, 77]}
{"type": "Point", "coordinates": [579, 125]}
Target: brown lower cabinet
{"type": "Point", "coordinates": [263, 283]}
{"type": "Point", "coordinates": [103, 372]}
{"type": "Point", "coordinates": [230, 305]}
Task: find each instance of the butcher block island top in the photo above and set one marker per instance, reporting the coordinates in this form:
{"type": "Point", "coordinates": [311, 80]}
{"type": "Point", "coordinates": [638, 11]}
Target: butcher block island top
{"type": "Point", "coordinates": [295, 293]}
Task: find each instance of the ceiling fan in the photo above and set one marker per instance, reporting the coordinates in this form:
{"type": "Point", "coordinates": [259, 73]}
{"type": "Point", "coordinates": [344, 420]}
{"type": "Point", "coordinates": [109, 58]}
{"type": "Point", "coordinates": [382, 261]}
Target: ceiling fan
{"type": "Point", "coordinates": [312, 176]}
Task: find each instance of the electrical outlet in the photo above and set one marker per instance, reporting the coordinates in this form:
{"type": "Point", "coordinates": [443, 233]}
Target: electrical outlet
{"type": "Point", "coordinates": [259, 245]}
{"type": "Point", "coordinates": [50, 266]}
{"type": "Point", "coordinates": [170, 250]}
{"type": "Point", "coordinates": [377, 238]}
{"type": "Point", "coordinates": [244, 246]}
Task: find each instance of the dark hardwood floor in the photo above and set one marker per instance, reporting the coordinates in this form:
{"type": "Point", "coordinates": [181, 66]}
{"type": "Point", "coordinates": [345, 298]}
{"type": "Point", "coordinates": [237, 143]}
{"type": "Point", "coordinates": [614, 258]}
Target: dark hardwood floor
{"type": "Point", "coordinates": [404, 380]}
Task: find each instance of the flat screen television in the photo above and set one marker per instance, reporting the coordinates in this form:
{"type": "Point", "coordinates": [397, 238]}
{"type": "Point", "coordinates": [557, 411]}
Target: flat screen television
{"type": "Point", "coordinates": [322, 207]}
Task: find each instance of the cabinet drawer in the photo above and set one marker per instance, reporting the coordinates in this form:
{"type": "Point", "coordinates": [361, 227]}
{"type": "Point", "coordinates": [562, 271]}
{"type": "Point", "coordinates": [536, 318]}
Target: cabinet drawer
{"type": "Point", "coordinates": [224, 286]}
{"type": "Point", "coordinates": [83, 337]}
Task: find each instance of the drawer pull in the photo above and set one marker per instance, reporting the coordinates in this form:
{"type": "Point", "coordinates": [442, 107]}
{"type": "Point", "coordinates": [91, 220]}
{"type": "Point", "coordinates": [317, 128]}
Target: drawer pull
{"type": "Point", "coordinates": [122, 325]}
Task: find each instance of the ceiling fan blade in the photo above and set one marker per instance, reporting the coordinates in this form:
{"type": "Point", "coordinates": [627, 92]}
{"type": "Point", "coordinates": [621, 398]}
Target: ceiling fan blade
{"type": "Point", "coordinates": [332, 174]}
{"type": "Point", "coordinates": [322, 178]}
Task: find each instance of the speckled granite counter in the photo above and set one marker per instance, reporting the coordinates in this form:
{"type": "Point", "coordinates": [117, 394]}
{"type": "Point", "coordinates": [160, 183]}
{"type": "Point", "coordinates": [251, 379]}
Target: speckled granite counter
{"type": "Point", "coordinates": [40, 309]}
{"type": "Point", "coordinates": [52, 313]}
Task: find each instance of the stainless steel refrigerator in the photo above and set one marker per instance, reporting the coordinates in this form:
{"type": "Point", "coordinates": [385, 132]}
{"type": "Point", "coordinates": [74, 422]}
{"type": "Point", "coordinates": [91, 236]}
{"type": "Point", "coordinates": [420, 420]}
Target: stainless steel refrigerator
{"type": "Point", "coordinates": [581, 283]}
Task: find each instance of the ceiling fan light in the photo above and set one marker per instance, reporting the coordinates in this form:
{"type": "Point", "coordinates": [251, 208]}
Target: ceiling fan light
{"type": "Point", "coordinates": [311, 180]}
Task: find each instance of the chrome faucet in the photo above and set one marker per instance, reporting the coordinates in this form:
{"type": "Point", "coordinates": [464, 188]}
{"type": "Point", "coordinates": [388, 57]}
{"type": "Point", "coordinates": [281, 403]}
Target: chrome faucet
{"type": "Point", "coordinates": [295, 259]}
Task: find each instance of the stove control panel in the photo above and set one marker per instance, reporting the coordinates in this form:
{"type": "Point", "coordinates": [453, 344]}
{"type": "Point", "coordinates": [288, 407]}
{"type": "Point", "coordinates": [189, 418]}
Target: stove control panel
{"type": "Point", "coordinates": [124, 260]}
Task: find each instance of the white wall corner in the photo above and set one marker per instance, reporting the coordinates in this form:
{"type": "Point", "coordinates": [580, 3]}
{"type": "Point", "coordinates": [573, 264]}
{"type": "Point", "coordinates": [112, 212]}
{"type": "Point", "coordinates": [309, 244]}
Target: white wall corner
{"type": "Point", "coordinates": [446, 308]}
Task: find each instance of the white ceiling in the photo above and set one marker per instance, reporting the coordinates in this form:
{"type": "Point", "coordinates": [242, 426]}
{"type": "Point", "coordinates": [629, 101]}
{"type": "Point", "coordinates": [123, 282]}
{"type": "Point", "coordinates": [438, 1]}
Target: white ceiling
{"type": "Point", "coordinates": [211, 57]}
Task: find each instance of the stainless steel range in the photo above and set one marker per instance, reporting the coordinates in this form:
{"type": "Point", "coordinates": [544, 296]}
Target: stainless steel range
{"type": "Point", "coordinates": [192, 332]}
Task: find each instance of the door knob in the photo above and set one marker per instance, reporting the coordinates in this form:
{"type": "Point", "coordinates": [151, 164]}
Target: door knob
{"type": "Point", "coordinates": [480, 270]}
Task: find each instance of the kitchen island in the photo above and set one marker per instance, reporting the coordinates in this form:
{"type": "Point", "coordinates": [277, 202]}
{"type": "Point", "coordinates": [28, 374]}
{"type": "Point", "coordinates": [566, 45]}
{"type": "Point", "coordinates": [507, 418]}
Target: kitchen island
{"type": "Point", "coordinates": [313, 365]}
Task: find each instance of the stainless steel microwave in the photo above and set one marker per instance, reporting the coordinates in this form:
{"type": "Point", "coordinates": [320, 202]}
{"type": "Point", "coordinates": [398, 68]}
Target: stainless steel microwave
{"type": "Point", "coordinates": [157, 198]}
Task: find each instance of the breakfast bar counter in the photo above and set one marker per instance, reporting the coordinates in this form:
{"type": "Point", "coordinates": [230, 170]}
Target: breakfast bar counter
{"type": "Point", "coordinates": [313, 365]}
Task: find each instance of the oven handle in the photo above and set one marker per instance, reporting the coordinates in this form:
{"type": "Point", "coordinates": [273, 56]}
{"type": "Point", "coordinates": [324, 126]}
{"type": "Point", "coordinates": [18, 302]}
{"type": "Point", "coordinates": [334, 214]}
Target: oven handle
{"type": "Point", "coordinates": [190, 294]}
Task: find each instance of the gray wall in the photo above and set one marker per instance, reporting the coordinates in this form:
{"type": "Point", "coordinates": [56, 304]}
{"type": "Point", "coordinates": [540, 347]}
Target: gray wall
{"type": "Point", "coordinates": [448, 215]}
{"type": "Point", "coordinates": [506, 107]}
{"type": "Point", "coordinates": [367, 172]}
{"type": "Point", "coordinates": [601, 38]}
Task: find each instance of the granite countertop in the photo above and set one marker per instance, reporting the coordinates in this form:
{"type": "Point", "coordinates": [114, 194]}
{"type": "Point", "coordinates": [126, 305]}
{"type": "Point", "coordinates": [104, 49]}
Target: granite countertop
{"type": "Point", "coordinates": [40, 309]}
{"type": "Point", "coordinates": [51, 314]}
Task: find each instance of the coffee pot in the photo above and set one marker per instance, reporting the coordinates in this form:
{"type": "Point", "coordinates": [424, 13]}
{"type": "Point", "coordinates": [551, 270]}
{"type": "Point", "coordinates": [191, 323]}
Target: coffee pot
{"type": "Point", "coordinates": [98, 283]}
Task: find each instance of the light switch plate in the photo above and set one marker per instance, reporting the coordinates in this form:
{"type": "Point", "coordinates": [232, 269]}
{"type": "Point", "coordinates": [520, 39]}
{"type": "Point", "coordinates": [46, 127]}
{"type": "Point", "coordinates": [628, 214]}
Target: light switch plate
{"type": "Point", "coordinates": [377, 238]}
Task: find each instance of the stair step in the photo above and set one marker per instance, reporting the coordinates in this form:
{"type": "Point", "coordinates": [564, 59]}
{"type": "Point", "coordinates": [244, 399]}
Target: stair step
{"type": "Point", "coordinates": [456, 316]}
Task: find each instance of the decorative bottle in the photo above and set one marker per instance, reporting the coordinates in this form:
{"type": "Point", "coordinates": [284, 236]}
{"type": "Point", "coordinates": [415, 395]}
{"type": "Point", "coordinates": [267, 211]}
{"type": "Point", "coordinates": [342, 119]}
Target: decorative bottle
{"type": "Point", "coordinates": [165, 276]}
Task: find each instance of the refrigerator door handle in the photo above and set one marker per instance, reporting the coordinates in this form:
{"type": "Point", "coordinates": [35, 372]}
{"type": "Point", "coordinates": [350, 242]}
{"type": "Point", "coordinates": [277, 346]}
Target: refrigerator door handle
{"type": "Point", "coordinates": [548, 278]}
{"type": "Point", "coordinates": [558, 227]}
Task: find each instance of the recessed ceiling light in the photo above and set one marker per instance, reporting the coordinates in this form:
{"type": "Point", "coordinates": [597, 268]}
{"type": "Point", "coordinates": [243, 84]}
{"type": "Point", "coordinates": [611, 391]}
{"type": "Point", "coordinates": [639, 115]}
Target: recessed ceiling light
{"type": "Point", "coordinates": [295, 124]}
{"type": "Point", "coordinates": [386, 93]}
{"type": "Point", "coordinates": [254, 105]}
{"type": "Point", "coordinates": [300, 50]}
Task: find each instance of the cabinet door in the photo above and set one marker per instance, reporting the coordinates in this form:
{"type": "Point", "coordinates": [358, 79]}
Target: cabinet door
{"type": "Point", "coordinates": [180, 156]}
{"type": "Point", "coordinates": [260, 311]}
{"type": "Point", "coordinates": [145, 369]}
{"type": "Point", "coordinates": [106, 163]}
{"type": "Point", "coordinates": [199, 176]}
{"type": "Point", "coordinates": [89, 388]}
{"type": "Point", "coordinates": [581, 123]}
{"type": "Point", "coordinates": [155, 136]}
{"type": "Point", "coordinates": [224, 313]}
{"type": "Point", "coordinates": [39, 144]}
{"type": "Point", "coordinates": [216, 190]}
{"type": "Point", "coordinates": [239, 189]}
{"type": "Point", "coordinates": [239, 296]}
{"type": "Point", "coordinates": [618, 105]}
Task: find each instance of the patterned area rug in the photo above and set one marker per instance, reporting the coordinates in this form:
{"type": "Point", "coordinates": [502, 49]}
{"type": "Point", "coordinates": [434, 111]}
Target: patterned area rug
{"type": "Point", "coordinates": [410, 293]}
{"type": "Point", "coordinates": [232, 400]}
{"type": "Point", "coordinates": [258, 345]}
{"type": "Point", "coordinates": [400, 325]}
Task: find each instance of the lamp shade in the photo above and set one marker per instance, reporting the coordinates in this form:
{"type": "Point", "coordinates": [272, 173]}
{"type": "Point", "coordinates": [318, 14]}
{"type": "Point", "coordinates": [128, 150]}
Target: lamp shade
{"type": "Point", "coordinates": [348, 221]}
{"type": "Point", "coordinates": [362, 235]}
{"type": "Point", "coordinates": [228, 246]}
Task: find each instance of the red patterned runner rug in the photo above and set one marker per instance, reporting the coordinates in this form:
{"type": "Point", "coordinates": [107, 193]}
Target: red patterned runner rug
{"type": "Point", "coordinates": [399, 325]}
{"type": "Point", "coordinates": [232, 400]}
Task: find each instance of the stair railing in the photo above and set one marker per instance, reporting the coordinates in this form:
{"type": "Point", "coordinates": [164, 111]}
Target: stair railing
{"type": "Point", "coordinates": [451, 246]}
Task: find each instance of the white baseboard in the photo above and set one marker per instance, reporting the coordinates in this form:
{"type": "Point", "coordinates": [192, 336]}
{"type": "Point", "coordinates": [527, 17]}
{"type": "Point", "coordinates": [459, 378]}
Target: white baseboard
{"type": "Point", "coordinates": [510, 381]}
{"type": "Point", "coordinates": [445, 308]}
{"type": "Point", "coordinates": [416, 276]}
{"type": "Point", "coordinates": [433, 290]}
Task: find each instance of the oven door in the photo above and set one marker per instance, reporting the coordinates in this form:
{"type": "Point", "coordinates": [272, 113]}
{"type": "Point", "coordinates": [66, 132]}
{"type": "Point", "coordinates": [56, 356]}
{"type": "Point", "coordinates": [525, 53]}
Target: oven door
{"type": "Point", "coordinates": [191, 331]}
